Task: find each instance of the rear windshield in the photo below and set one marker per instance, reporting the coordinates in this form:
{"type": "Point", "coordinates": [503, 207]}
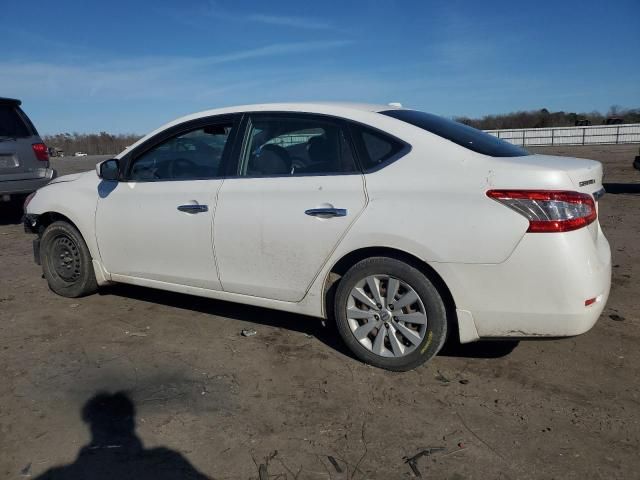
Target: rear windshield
{"type": "Point", "coordinates": [12, 124]}
{"type": "Point", "coordinates": [463, 135]}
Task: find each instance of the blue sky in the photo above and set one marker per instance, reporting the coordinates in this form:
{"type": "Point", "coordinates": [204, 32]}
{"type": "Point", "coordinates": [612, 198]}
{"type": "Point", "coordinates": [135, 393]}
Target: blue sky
{"type": "Point", "coordinates": [131, 66]}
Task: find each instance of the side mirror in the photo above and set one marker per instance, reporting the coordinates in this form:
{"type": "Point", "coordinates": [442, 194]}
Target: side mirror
{"type": "Point", "coordinates": [109, 169]}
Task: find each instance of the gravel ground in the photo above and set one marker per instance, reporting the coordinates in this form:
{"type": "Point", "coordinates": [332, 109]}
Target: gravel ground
{"type": "Point", "coordinates": [292, 399]}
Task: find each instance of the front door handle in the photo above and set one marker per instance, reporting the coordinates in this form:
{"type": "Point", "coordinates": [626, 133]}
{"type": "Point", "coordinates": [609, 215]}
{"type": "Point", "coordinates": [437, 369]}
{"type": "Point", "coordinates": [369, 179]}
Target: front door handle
{"type": "Point", "coordinates": [327, 212]}
{"type": "Point", "coordinates": [191, 208]}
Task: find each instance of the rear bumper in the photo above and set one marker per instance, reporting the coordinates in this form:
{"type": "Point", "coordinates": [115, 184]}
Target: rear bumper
{"type": "Point", "coordinates": [540, 291]}
{"type": "Point", "coordinates": [19, 187]}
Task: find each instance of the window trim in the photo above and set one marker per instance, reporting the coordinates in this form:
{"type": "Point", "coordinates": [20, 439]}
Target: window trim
{"type": "Point", "coordinates": [127, 161]}
{"type": "Point", "coordinates": [243, 139]}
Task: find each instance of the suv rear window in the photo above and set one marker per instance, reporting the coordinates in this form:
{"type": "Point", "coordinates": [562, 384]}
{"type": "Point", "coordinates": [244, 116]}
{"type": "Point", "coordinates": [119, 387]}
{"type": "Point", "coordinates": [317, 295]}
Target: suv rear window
{"type": "Point", "coordinates": [12, 123]}
{"type": "Point", "coordinates": [463, 135]}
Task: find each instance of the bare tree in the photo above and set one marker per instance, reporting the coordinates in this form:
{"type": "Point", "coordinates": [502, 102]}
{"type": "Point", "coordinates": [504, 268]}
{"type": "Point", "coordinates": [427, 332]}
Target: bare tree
{"type": "Point", "coordinates": [101, 143]}
{"type": "Point", "coordinates": [544, 118]}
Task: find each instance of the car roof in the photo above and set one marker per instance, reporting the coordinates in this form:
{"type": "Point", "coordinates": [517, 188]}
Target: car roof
{"type": "Point", "coordinates": [10, 101]}
{"type": "Point", "coordinates": [306, 107]}
{"type": "Point", "coordinates": [341, 109]}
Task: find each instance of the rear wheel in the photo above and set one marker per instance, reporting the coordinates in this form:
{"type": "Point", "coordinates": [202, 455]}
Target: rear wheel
{"type": "Point", "coordinates": [66, 261]}
{"type": "Point", "coordinates": [389, 314]}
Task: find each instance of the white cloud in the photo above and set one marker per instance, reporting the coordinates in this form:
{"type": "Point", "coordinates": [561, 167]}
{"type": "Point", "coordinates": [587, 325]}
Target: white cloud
{"type": "Point", "coordinates": [147, 77]}
{"type": "Point", "coordinates": [214, 9]}
{"type": "Point", "coordinates": [285, 21]}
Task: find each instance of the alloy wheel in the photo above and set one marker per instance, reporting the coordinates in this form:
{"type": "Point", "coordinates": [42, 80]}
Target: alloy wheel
{"type": "Point", "coordinates": [386, 315]}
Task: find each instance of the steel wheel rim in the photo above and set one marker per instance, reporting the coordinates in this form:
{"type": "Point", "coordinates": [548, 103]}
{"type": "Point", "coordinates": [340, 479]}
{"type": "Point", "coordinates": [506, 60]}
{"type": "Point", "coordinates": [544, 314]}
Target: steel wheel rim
{"type": "Point", "coordinates": [386, 316]}
{"type": "Point", "coordinates": [65, 258]}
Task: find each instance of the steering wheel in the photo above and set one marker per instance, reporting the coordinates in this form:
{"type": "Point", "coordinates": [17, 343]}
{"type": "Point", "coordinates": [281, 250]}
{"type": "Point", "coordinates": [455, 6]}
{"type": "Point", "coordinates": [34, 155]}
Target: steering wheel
{"type": "Point", "coordinates": [181, 167]}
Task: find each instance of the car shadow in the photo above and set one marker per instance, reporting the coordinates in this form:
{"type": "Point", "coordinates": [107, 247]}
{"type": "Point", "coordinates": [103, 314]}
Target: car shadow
{"type": "Point", "coordinates": [616, 188]}
{"type": "Point", "coordinates": [11, 212]}
{"type": "Point", "coordinates": [480, 349]}
{"type": "Point", "coordinates": [324, 331]}
{"type": "Point", "coordinates": [115, 451]}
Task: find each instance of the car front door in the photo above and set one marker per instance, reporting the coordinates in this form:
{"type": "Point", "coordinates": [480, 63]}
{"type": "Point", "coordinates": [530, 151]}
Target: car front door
{"type": "Point", "coordinates": [156, 224]}
{"type": "Point", "coordinates": [294, 194]}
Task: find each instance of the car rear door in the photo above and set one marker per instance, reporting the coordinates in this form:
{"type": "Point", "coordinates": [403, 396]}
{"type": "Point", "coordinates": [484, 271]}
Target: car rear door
{"type": "Point", "coordinates": [157, 223]}
{"type": "Point", "coordinates": [295, 192]}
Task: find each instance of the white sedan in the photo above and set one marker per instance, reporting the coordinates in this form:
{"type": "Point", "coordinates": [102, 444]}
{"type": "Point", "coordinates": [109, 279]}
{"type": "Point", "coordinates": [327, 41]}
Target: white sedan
{"type": "Point", "coordinates": [402, 226]}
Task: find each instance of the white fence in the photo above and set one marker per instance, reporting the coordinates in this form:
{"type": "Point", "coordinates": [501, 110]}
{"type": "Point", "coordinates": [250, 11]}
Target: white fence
{"type": "Point", "coordinates": [593, 135]}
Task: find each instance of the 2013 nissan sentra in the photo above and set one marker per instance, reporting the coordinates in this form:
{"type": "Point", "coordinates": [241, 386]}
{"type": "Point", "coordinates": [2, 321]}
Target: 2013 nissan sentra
{"type": "Point", "coordinates": [403, 226]}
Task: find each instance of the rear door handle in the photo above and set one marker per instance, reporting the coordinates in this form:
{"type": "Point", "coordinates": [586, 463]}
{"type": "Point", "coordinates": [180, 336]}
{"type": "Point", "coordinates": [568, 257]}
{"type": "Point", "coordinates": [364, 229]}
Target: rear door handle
{"type": "Point", "coordinates": [190, 208]}
{"type": "Point", "coordinates": [327, 212]}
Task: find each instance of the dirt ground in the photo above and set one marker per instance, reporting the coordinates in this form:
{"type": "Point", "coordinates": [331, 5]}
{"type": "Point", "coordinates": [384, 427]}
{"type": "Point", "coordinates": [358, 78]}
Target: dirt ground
{"type": "Point", "coordinates": [292, 399]}
{"type": "Point", "coordinates": [617, 159]}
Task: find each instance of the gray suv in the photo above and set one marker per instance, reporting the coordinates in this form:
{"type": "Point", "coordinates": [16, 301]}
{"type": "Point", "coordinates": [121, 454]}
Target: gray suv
{"type": "Point", "coordinates": [24, 158]}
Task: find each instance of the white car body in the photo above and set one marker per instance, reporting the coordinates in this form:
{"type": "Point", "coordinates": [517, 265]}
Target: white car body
{"type": "Point", "coordinates": [256, 246]}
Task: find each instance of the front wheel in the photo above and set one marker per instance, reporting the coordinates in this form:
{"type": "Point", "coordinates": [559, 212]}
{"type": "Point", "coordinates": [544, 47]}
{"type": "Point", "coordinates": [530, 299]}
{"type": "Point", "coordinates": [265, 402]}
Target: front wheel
{"type": "Point", "coordinates": [390, 314]}
{"type": "Point", "coordinates": [66, 261]}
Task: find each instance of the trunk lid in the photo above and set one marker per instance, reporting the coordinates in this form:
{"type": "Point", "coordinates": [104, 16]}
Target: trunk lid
{"type": "Point", "coordinates": [585, 175]}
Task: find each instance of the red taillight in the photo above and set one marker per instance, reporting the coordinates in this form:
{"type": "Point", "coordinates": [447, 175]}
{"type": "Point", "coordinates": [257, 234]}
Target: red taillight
{"type": "Point", "coordinates": [549, 210]}
{"type": "Point", "coordinates": [41, 151]}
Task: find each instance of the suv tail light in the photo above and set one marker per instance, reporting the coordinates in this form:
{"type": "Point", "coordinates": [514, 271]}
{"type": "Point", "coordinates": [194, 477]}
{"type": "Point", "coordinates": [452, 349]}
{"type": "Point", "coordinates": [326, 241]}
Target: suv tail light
{"type": "Point", "coordinates": [41, 151]}
{"type": "Point", "coordinates": [548, 210]}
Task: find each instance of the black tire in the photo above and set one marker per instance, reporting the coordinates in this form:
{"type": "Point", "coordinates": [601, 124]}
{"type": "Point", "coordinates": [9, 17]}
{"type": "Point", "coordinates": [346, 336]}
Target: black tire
{"type": "Point", "coordinates": [436, 327]}
{"type": "Point", "coordinates": [66, 261]}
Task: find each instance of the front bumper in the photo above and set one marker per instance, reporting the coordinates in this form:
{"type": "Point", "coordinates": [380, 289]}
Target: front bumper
{"type": "Point", "coordinates": [540, 291]}
{"type": "Point", "coordinates": [21, 187]}
{"type": "Point", "coordinates": [30, 223]}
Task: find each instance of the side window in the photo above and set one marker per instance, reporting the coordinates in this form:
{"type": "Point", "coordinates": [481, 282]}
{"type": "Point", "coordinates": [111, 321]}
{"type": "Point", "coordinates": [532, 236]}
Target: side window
{"type": "Point", "coordinates": [193, 155]}
{"type": "Point", "coordinates": [378, 147]}
{"type": "Point", "coordinates": [295, 147]}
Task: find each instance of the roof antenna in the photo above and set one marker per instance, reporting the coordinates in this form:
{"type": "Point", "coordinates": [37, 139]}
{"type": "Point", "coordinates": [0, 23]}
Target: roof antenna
{"type": "Point", "coordinates": [395, 104]}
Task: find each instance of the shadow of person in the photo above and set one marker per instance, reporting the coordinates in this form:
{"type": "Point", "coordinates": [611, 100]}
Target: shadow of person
{"type": "Point", "coordinates": [115, 452]}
